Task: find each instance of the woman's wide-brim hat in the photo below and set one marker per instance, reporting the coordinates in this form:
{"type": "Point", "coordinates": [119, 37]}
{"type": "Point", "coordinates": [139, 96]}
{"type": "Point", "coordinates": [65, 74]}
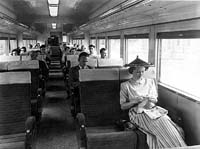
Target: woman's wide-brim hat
{"type": "Point", "coordinates": [138, 62]}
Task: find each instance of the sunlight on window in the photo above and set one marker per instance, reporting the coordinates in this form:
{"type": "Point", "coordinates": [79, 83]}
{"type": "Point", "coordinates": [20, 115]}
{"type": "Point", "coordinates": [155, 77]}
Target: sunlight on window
{"type": "Point", "coordinates": [102, 43]}
{"type": "Point", "coordinates": [137, 47]}
{"type": "Point", "coordinates": [2, 47]}
{"type": "Point", "coordinates": [180, 60]}
{"type": "Point", "coordinates": [93, 42]}
{"type": "Point", "coordinates": [114, 47]}
{"type": "Point", "coordinates": [13, 44]}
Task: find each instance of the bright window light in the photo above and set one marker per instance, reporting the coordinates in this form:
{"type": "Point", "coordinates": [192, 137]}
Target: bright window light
{"type": "Point", "coordinates": [53, 2]}
{"type": "Point", "coordinates": [53, 25]}
{"type": "Point", "coordinates": [53, 10]}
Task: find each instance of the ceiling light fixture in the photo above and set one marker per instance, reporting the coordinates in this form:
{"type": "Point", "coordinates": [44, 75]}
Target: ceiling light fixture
{"type": "Point", "coordinates": [53, 10]}
{"type": "Point", "coordinates": [53, 25]}
{"type": "Point", "coordinates": [53, 2]}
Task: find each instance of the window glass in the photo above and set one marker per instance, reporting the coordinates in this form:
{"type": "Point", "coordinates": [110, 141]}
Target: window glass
{"type": "Point", "coordinates": [102, 43]}
{"type": "Point", "coordinates": [114, 48]}
{"type": "Point", "coordinates": [179, 64]}
{"type": "Point", "coordinates": [13, 44]}
{"type": "Point", "coordinates": [137, 47]}
{"type": "Point", "coordinates": [93, 42]}
{"type": "Point", "coordinates": [64, 39]}
{"type": "Point", "coordinates": [2, 47]}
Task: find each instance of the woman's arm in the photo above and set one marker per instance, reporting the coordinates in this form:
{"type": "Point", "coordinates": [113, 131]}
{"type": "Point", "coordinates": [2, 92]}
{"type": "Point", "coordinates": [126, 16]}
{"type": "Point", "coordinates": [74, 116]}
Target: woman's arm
{"type": "Point", "coordinates": [131, 103]}
{"type": "Point", "coordinates": [128, 105]}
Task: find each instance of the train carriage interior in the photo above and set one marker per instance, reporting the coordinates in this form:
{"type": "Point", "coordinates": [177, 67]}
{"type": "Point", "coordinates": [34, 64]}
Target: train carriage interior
{"type": "Point", "coordinates": [63, 64]}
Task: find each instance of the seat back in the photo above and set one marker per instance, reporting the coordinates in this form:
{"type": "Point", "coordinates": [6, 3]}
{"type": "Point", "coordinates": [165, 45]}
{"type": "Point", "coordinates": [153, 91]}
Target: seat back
{"type": "Point", "coordinates": [25, 58]}
{"type": "Point", "coordinates": [92, 62]}
{"type": "Point", "coordinates": [124, 75]}
{"type": "Point", "coordinates": [14, 101]}
{"type": "Point", "coordinates": [99, 96]}
{"type": "Point", "coordinates": [41, 57]}
{"type": "Point", "coordinates": [33, 67]}
{"type": "Point", "coordinates": [3, 66]}
{"type": "Point", "coordinates": [109, 63]}
{"type": "Point", "coordinates": [9, 58]}
{"type": "Point", "coordinates": [72, 60]}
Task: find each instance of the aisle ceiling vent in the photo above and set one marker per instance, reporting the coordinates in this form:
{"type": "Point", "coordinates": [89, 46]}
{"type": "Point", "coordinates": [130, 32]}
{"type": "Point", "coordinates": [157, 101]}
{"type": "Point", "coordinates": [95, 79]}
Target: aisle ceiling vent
{"type": "Point", "coordinates": [124, 5]}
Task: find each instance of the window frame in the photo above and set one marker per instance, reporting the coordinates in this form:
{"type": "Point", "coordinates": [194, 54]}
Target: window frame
{"type": "Point", "coordinates": [189, 34]}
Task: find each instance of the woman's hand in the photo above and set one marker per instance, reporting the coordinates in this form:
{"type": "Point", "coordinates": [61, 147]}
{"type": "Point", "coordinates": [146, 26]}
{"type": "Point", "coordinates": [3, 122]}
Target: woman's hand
{"type": "Point", "coordinates": [143, 103]}
{"type": "Point", "coordinates": [151, 99]}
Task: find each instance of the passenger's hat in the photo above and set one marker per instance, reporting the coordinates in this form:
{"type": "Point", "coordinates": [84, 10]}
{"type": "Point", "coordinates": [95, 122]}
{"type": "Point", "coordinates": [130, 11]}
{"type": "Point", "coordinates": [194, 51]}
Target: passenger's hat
{"type": "Point", "coordinates": [91, 46]}
{"type": "Point", "coordinates": [138, 62]}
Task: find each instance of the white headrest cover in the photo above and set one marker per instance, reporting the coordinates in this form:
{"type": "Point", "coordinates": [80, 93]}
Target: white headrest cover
{"type": "Point", "coordinates": [150, 73]}
{"type": "Point", "coordinates": [9, 58]}
{"type": "Point", "coordinates": [72, 57]}
{"type": "Point", "coordinates": [15, 77]}
{"type": "Point", "coordinates": [3, 65]}
{"type": "Point", "coordinates": [26, 58]}
{"type": "Point", "coordinates": [41, 57]}
{"type": "Point", "coordinates": [98, 74]}
{"type": "Point", "coordinates": [92, 62]}
{"type": "Point", "coordinates": [74, 63]}
{"type": "Point", "coordinates": [110, 62]}
{"type": "Point", "coordinates": [33, 64]}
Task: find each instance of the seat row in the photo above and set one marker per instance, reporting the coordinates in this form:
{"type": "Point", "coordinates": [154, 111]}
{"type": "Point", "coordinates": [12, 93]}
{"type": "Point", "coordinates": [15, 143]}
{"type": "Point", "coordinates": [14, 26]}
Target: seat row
{"type": "Point", "coordinates": [37, 82]}
{"type": "Point", "coordinates": [99, 110]}
{"type": "Point", "coordinates": [17, 123]}
{"type": "Point", "coordinates": [14, 58]}
{"type": "Point", "coordinates": [72, 60]}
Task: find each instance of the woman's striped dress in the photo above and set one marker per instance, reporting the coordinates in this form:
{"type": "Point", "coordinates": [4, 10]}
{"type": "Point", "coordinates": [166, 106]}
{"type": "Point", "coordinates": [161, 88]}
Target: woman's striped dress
{"type": "Point", "coordinates": [161, 132]}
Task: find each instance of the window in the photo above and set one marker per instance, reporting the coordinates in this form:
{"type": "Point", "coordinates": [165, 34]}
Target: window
{"type": "Point", "coordinates": [102, 43]}
{"type": "Point", "coordinates": [64, 38]}
{"type": "Point", "coordinates": [2, 46]}
{"type": "Point", "coordinates": [93, 41]}
{"type": "Point", "coordinates": [137, 45]}
{"type": "Point", "coordinates": [179, 60]}
{"type": "Point", "coordinates": [13, 44]}
{"type": "Point", "coordinates": [114, 47]}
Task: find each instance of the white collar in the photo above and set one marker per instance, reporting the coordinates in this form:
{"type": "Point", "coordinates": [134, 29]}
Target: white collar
{"type": "Point", "coordinates": [137, 81]}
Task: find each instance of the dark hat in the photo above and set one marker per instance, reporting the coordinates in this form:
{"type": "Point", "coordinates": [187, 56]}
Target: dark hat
{"type": "Point", "coordinates": [138, 62]}
{"type": "Point", "coordinates": [93, 46]}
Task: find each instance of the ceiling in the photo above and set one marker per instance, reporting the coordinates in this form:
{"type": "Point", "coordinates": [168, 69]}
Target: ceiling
{"type": "Point", "coordinates": [71, 13]}
{"type": "Point", "coordinates": [98, 15]}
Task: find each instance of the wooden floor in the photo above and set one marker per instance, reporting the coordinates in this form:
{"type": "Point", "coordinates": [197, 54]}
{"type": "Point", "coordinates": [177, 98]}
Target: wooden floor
{"type": "Point", "coordinates": [57, 128]}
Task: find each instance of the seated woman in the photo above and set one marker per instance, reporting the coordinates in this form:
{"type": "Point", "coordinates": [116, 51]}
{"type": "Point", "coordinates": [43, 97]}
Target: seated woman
{"type": "Point", "coordinates": [139, 96]}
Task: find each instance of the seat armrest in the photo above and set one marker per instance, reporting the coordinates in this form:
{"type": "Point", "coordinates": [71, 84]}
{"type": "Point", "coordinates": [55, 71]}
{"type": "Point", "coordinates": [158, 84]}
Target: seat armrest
{"type": "Point", "coordinates": [81, 130]}
{"type": "Point", "coordinates": [39, 91]}
{"type": "Point", "coordinates": [81, 119]}
{"type": "Point", "coordinates": [30, 126]}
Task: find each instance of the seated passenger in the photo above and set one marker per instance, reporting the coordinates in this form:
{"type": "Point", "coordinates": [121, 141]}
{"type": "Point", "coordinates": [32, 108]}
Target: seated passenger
{"type": "Point", "coordinates": [74, 82]}
{"type": "Point", "coordinates": [15, 52]}
{"type": "Point", "coordinates": [44, 70]}
{"type": "Point", "coordinates": [139, 96]}
{"type": "Point", "coordinates": [22, 50]}
{"type": "Point", "coordinates": [43, 52]}
{"type": "Point", "coordinates": [72, 51]}
{"type": "Point", "coordinates": [103, 53]}
{"type": "Point", "coordinates": [74, 71]}
{"type": "Point", "coordinates": [92, 51]}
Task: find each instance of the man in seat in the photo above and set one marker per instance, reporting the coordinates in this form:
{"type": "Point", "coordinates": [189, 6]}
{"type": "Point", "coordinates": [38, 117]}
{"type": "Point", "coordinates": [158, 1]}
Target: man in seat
{"type": "Point", "coordinates": [74, 82]}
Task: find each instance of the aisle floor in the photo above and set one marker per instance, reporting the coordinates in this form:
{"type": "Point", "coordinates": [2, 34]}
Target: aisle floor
{"type": "Point", "coordinates": [57, 127]}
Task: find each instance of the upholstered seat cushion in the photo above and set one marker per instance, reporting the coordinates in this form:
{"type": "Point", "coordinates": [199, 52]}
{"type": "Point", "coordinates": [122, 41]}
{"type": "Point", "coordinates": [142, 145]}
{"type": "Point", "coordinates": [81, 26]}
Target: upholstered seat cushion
{"type": "Point", "coordinates": [110, 138]}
